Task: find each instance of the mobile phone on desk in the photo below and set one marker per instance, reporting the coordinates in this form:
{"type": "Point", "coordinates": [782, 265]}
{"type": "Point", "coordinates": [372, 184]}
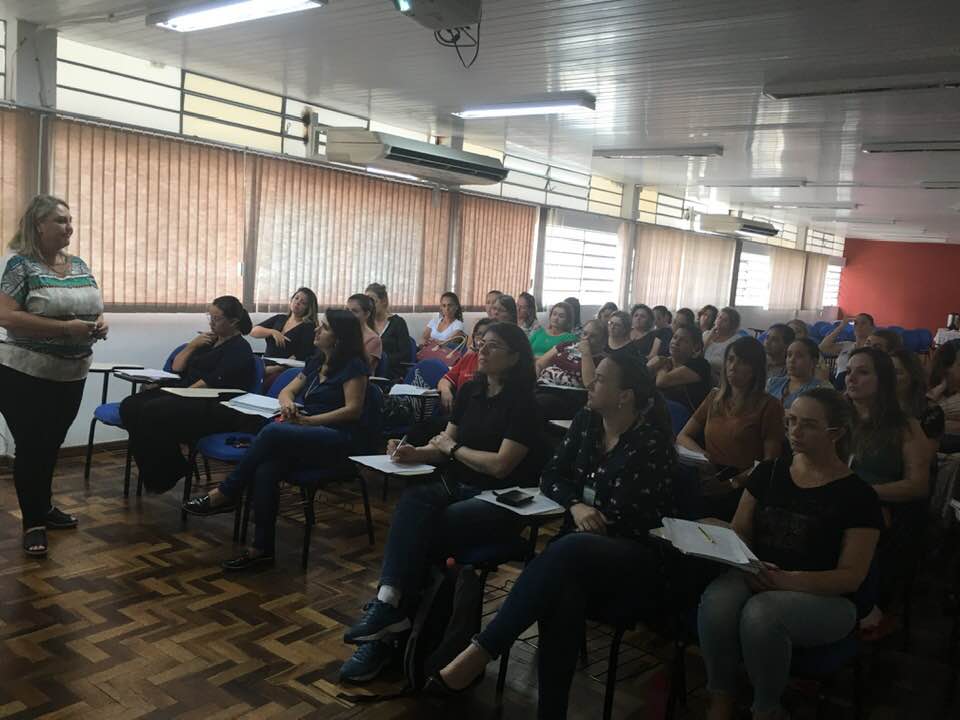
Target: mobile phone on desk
{"type": "Point", "coordinates": [513, 498]}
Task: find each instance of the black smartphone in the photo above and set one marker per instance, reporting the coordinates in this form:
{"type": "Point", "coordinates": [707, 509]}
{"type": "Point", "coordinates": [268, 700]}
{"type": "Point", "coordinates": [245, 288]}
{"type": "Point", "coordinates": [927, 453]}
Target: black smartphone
{"type": "Point", "coordinates": [514, 498]}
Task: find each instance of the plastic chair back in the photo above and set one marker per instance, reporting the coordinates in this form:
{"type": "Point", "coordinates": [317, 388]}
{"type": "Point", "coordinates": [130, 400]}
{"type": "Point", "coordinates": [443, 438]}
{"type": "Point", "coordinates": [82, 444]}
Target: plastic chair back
{"type": "Point", "coordinates": [168, 365]}
{"type": "Point", "coordinates": [431, 369]}
{"type": "Point", "coordinates": [383, 366]}
{"type": "Point", "coordinates": [258, 371]}
{"type": "Point", "coordinates": [413, 350]}
{"type": "Point", "coordinates": [678, 416]}
{"type": "Point", "coordinates": [283, 379]}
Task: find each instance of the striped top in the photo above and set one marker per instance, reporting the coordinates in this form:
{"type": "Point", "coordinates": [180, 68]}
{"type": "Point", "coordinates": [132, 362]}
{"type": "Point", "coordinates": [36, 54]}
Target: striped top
{"type": "Point", "coordinates": [951, 406]}
{"type": "Point", "coordinates": [40, 291]}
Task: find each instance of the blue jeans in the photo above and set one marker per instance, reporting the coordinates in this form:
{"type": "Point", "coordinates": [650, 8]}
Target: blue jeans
{"type": "Point", "coordinates": [279, 449]}
{"type": "Point", "coordinates": [431, 524]}
{"type": "Point", "coordinates": [576, 573]}
{"type": "Point", "coordinates": [761, 629]}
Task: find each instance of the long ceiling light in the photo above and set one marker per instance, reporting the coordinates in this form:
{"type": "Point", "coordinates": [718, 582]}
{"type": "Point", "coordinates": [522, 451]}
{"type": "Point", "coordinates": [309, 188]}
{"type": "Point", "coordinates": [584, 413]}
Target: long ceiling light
{"type": "Point", "coordinates": [553, 104]}
{"type": "Point", "coordinates": [940, 184]}
{"type": "Point", "coordinates": [646, 152]}
{"type": "Point", "coordinates": [787, 90]}
{"type": "Point", "coordinates": [803, 205]}
{"type": "Point", "coordinates": [911, 146]}
{"type": "Point", "coordinates": [765, 182]}
{"type": "Point", "coordinates": [217, 14]}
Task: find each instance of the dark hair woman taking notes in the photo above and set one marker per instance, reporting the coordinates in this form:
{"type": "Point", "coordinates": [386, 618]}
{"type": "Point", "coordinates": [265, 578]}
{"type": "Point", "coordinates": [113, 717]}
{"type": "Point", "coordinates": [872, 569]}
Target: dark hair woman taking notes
{"type": "Point", "coordinates": [51, 308]}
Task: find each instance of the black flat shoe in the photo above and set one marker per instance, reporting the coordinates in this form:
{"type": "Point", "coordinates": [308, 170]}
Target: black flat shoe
{"type": "Point", "coordinates": [247, 561]}
{"type": "Point", "coordinates": [57, 519]}
{"type": "Point", "coordinates": [200, 505]}
{"type": "Point", "coordinates": [35, 542]}
{"type": "Point", "coordinates": [436, 687]}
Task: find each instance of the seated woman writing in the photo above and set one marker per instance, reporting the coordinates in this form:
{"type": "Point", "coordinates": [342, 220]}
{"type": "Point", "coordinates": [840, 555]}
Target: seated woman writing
{"type": "Point", "coordinates": [802, 359]}
{"type": "Point", "coordinates": [493, 440]}
{"type": "Point", "coordinates": [891, 453]}
{"type": "Point", "coordinates": [740, 425]}
{"type": "Point", "coordinates": [613, 474]}
{"type": "Point", "coordinates": [684, 376]}
{"type": "Point", "coordinates": [333, 387]}
{"type": "Point", "coordinates": [158, 422]}
{"type": "Point", "coordinates": [814, 525]}
{"type": "Point", "coordinates": [289, 335]}
{"type": "Point", "coordinates": [566, 370]}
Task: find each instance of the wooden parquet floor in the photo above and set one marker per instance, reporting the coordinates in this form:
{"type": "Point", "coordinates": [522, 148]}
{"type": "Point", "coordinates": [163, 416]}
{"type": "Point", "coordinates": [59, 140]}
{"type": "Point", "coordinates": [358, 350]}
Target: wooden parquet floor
{"type": "Point", "coordinates": [131, 617]}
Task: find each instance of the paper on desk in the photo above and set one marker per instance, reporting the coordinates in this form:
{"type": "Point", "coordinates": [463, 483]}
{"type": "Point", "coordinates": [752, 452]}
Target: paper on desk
{"type": "Point", "coordinates": [686, 456]}
{"type": "Point", "coordinates": [289, 362]}
{"type": "Point", "coordinates": [253, 404]}
{"type": "Point", "coordinates": [712, 542]}
{"type": "Point", "coordinates": [198, 392]}
{"type": "Point", "coordinates": [540, 505]}
{"type": "Point", "coordinates": [401, 389]}
{"type": "Point", "coordinates": [110, 366]}
{"type": "Point", "coordinates": [151, 374]}
{"type": "Point", "coordinates": [383, 463]}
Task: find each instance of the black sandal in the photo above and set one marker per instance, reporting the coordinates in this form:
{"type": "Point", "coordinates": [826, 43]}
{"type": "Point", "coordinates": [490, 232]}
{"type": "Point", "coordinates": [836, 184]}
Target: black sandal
{"type": "Point", "coordinates": [57, 519]}
{"type": "Point", "coordinates": [246, 561]}
{"type": "Point", "coordinates": [35, 541]}
{"type": "Point", "coordinates": [201, 506]}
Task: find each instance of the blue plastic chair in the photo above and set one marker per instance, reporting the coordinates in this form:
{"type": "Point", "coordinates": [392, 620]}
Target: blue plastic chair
{"type": "Point", "coordinates": [383, 366]}
{"type": "Point", "coordinates": [678, 416]}
{"type": "Point", "coordinates": [413, 350]}
{"type": "Point", "coordinates": [365, 440]}
{"type": "Point", "coordinates": [431, 370]}
{"type": "Point", "coordinates": [108, 413]}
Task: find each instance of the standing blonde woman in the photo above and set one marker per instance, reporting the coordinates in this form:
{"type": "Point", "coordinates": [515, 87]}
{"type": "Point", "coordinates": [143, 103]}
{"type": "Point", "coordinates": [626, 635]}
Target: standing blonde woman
{"type": "Point", "coordinates": [51, 308]}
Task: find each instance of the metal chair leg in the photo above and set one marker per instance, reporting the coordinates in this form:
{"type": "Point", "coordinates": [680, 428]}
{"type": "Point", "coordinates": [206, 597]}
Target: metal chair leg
{"type": "Point", "coordinates": [126, 474]}
{"type": "Point", "coordinates": [237, 513]}
{"type": "Point", "coordinates": [502, 674]}
{"type": "Point", "coordinates": [857, 688]}
{"type": "Point", "coordinates": [386, 486]}
{"type": "Point", "coordinates": [678, 680]}
{"type": "Point", "coordinates": [193, 470]}
{"type": "Point", "coordinates": [584, 658]}
{"type": "Point", "coordinates": [245, 523]}
{"type": "Point", "coordinates": [86, 465]}
{"type": "Point", "coordinates": [206, 468]}
{"type": "Point", "coordinates": [366, 505]}
{"type": "Point", "coordinates": [309, 520]}
{"type": "Point", "coordinates": [612, 673]}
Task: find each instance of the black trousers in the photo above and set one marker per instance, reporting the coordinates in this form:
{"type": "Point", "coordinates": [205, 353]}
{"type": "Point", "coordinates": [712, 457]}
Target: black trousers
{"type": "Point", "coordinates": [39, 413]}
{"type": "Point", "coordinates": [577, 574]}
{"type": "Point", "coordinates": [159, 422]}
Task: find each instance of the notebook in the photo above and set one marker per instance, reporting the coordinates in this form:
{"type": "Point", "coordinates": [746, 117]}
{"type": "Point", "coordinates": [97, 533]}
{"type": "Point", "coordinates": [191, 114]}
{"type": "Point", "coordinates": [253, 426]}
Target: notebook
{"type": "Point", "coordinates": [253, 404]}
{"type": "Point", "coordinates": [147, 375]}
{"type": "Point", "coordinates": [711, 542]}
{"type": "Point", "coordinates": [383, 463]}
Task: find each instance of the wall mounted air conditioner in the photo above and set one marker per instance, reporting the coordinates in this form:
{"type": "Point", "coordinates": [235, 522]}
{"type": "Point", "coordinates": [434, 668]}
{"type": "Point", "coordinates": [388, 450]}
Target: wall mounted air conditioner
{"type": "Point", "coordinates": [729, 225]}
{"type": "Point", "coordinates": [424, 161]}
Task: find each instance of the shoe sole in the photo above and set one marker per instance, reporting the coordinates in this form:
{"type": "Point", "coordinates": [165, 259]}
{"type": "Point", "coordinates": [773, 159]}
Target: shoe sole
{"type": "Point", "coordinates": [395, 629]}
{"type": "Point", "coordinates": [218, 511]}
{"type": "Point", "coordinates": [256, 563]}
{"type": "Point", "coordinates": [364, 678]}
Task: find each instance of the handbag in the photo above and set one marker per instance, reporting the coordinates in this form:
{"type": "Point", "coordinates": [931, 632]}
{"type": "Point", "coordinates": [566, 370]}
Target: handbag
{"type": "Point", "coordinates": [446, 352]}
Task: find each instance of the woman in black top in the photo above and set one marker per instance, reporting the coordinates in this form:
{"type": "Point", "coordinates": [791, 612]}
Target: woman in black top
{"type": "Point", "coordinates": [392, 329]}
{"type": "Point", "coordinates": [613, 474]}
{"type": "Point", "coordinates": [291, 335]}
{"type": "Point", "coordinates": [158, 422]}
{"type": "Point", "coordinates": [644, 331]}
{"type": "Point", "coordinates": [684, 376]}
{"type": "Point", "coordinates": [815, 526]}
{"type": "Point", "coordinates": [492, 441]}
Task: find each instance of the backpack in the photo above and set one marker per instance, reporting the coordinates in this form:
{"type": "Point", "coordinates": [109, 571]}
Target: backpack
{"type": "Point", "coordinates": [446, 620]}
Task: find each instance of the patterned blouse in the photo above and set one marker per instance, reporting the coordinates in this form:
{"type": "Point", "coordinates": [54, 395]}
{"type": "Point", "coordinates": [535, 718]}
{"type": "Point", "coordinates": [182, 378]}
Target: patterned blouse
{"type": "Point", "coordinates": [631, 485]}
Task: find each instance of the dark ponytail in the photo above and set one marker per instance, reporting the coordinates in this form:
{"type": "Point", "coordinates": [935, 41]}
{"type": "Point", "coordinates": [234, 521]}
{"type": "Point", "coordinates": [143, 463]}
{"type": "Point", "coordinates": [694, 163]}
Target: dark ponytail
{"type": "Point", "coordinates": [648, 401]}
{"type": "Point", "coordinates": [234, 311]}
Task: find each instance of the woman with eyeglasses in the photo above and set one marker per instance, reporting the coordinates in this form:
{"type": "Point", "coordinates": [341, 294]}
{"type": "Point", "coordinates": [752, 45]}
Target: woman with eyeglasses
{"type": "Point", "coordinates": [814, 524]}
{"type": "Point", "coordinates": [565, 372]}
{"type": "Point", "coordinates": [332, 389]}
{"type": "Point", "coordinates": [465, 368]}
{"type": "Point", "coordinates": [618, 333]}
{"type": "Point", "coordinates": [492, 441]}
{"type": "Point", "coordinates": [159, 422]}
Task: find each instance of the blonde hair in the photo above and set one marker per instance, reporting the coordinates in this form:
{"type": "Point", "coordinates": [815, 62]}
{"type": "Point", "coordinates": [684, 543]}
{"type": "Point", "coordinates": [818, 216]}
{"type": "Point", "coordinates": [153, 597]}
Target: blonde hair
{"type": "Point", "coordinates": [26, 241]}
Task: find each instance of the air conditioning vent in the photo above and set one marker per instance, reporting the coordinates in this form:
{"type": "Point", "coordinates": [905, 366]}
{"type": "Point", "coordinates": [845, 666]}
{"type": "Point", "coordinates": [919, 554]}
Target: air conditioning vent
{"type": "Point", "coordinates": [730, 225]}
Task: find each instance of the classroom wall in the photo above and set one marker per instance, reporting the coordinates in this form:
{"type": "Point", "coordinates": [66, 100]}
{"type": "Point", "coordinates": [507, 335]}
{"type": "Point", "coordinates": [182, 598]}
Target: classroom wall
{"type": "Point", "coordinates": [913, 285]}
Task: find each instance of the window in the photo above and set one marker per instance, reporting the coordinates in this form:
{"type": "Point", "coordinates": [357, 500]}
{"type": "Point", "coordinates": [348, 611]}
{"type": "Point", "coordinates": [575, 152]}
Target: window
{"type": "Point", "coordinates": [3, 58]}
{"type": "Point", "coordinates": [819, 241]}
{"type": "Point", "coordinates": [831, 286]}
{"type": "Point", "coordinates": [580, 262]}
{"type": "Point", "coordinates": [753, 279]}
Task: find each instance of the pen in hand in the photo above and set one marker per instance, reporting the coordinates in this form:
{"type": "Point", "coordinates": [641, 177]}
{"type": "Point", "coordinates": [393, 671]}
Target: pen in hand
{"type": "Point", "coordinates": [397, 448]}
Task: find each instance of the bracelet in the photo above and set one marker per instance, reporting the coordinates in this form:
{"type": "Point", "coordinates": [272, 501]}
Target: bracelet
{"type": "Point", "coordinates": [456, 447]}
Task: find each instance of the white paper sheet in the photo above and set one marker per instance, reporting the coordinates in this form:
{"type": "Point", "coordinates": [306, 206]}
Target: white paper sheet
{"type": "Point", "coordinates": [712, 542]}
{"type": "Point", "coordinates": [686, 456]}
{"type": "Point", "coordinates": [100, 367]}
{"type": "Point", "coordinates": [253, 404]}
{"type": "Point", "coordinates": [288, 362]}
{"type": "Point", "coordinates": [199, 392]}
{"type": "Point", "coordinates": [149, 374]}
{"type": "Point", "coordinates": [401, 389]}
{"type": "Point", "coordinates": [565, 424]}
{"type": "Point", "coordinates": [540, 505]}
{"type": "Point", "coordinates": [383, 463]}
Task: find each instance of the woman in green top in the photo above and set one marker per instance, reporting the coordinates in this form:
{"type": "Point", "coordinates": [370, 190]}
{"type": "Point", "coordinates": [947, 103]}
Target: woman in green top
{"type": "Point", "coordinates": [559, 329]}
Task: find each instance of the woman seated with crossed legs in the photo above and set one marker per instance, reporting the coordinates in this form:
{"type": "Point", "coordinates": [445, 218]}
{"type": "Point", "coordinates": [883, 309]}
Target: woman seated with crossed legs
{"type": "Point", "coordinates": [613, 474]}
{"type": "Point", "coordinates": [815, 526]}
{"type": "Point", "coordinates": [333, 386]}
{"type": "Point", "coordinates": [492, 441]}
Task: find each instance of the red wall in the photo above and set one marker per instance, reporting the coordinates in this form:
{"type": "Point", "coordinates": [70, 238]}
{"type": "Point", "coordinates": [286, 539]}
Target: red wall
{"type": "Point", "coordinates": [914, 285]}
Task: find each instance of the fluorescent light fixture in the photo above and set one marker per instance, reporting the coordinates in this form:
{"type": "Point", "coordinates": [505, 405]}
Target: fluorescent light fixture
{"type": "Point", "coordinates": [767, 182]}
{"type": "Point", "coordinates": [853, 221]}
{"type": "Point", "coordinates": [553, 104]}
{"type": "Point", "coordinates": [391, 173]}
{"type": "Point", "coordinates": [855, 85]}
{"type": "Point", "coordinates": [217, 14]}
{"type": "Point", "coordinates": [645, 152]}
{"type": "Point", "coordinates": [940, 184]}
{"type": "Point", "coordinates": [911, 146]}
{"type": "Point", "coordinates": [803, 205]}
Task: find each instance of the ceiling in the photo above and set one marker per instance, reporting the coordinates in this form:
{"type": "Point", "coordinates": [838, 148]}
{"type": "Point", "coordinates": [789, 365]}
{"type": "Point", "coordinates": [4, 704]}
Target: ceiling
{"type": "Point", "coordinates": [664, 73]}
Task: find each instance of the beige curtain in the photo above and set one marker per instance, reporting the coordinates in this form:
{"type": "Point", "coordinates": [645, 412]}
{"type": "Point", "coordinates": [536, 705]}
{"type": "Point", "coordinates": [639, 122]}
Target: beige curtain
{"type": "Point", "coordinates": [496, 243]}
{"type": "Point", "coordinates": [160, 222]}
{"type": "Point", "coordinates": [18, 168]}
{"type": "Point", "coordinates": [786, 278]}
{"type": "Point", "coordinates": [814, 278]}
{"type": "Point", "coordinates": [337, 232]}
{"type": "Point", "coordinates": [678, 268]}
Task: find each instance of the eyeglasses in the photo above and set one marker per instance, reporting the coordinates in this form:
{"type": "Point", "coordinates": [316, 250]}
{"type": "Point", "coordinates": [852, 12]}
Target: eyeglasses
{"type": "Point", "coordinates": [489, 347]}
{"type": "Point", "coordinates": [790, 422]}
{"type": "Point", "coordinates": [216, 318]}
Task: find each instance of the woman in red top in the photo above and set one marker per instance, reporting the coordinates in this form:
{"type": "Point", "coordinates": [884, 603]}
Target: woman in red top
{"type": "Point", "coordinates": [464, 368]}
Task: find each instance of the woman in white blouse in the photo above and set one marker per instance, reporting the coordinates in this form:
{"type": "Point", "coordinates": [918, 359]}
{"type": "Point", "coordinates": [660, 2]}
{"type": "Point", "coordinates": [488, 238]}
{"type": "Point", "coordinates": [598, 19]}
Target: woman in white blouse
{"type": "Point", "coordinates": [448, 324]}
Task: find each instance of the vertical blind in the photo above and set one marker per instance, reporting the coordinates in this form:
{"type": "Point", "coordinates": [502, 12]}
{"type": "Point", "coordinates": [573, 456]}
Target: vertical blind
{"type": "Point", "coordinates": [18, 168]}
{"type": "Point", "coordinates": [160, 222]}
{"type": "Point", "coordinates": [496, 244]}
{"type": "Point", "coordinates": [787, 269]}
{"type": "Point", "coordinates": [337, 232]}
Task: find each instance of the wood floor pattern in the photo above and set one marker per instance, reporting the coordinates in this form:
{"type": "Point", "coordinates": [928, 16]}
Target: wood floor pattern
{"type": "Point", "coordinates": [130, 616]}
